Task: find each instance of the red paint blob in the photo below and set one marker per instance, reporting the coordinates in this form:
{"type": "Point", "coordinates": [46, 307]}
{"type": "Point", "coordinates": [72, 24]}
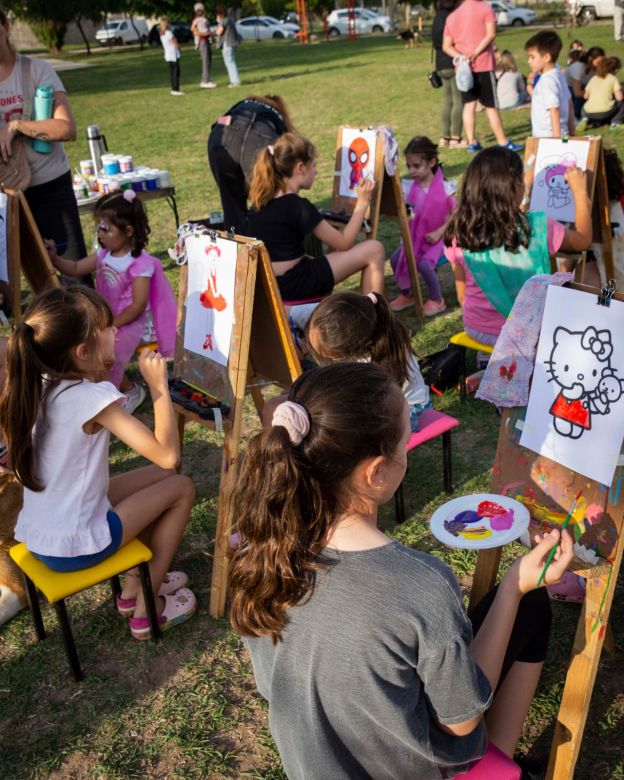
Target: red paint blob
{"type": "Point", "coordinates": [489, 509]}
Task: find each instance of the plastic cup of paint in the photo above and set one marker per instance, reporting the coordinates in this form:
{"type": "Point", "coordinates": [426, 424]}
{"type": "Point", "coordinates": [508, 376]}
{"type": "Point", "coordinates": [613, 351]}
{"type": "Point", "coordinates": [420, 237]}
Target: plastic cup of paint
{"type": "Point", "coordinates": [151, 180]}
{"type": "Point", "coordinates": [138, 183]}
{"type": "Point", "coordinates": [87, 168]}
{"type": "Point", "coordinates": [164, 178]}
{"type": "Point", "coordinates": [111, 167]}
{"type": "Point", "coordinates": [125, 182]}
{"type": "Point", "coordinates": [125, 163]}
{"type": "Point", "coordinates": [102, 184]}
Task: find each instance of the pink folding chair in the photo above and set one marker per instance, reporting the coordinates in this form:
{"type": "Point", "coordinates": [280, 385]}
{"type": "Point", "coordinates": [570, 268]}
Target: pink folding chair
{"type": "Point", "coordinates": [494, 765]}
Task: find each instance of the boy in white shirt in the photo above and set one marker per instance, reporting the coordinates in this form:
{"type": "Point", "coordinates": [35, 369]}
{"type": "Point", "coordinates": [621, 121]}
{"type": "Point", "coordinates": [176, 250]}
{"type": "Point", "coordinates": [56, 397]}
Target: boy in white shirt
{"type": "Point", "coordinates": [552, 113]}
{"type": "Point", "coordinates": [171, 49]}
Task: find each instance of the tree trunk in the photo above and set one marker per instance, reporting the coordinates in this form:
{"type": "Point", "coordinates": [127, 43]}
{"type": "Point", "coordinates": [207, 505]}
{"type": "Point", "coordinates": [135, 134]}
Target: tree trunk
{"type": "Point", "coordinates": [78, 21]}
{"type": "Point", "coordinates": [134, 27]}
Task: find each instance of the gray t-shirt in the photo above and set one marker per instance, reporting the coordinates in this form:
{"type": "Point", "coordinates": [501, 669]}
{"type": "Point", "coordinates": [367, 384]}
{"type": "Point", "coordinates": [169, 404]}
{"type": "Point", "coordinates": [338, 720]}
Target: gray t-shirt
{"type": "Point", "coordinates": [368, 665]}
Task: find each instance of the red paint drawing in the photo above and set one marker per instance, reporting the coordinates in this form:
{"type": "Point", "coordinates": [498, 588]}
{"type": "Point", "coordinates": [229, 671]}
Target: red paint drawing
{"type": "Point", "coordinates": [208, 342]}
{"type": "Point", "coordinates": [210, 299]}
{"type": "Point", "coordinates": [358, 154]}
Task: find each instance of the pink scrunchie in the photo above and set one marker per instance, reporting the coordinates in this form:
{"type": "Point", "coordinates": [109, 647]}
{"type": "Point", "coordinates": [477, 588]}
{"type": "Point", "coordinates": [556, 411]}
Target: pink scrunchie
{"type": "Point", "coordinates": [294, 418]}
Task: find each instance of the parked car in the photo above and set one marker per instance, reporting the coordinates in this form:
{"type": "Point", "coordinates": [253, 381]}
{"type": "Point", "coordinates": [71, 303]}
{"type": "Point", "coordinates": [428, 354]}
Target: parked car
{"type": "Point", "coordinates": [121, 31]}
{"type": "Point", "coordinates": [588, 10]}
{"type": "Point", "coordinates": [260, 28]}
{"type": "Point", "coordinates": [365, 22]}
{"type": "Point", "coordinates": [510, 15]}
{"type": "Point", "coordinates": [181, 31]}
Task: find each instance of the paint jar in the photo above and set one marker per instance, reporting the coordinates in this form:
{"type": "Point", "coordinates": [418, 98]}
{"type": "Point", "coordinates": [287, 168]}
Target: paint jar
{"type": "Point", "coordinates": [110, 163]}
{"type": "Point", "coordinates": [125, 182]}
{"type": "Point", "coordinates": [164, 178]}
{"type": "Point", "coordinates": [151, 180]}
{"type": "Point", "coordinates": [79, 191]}
{"type": "Point", "coordinates": [114, 183]}
{"type": "Point", "coordinates": [125, 163]}
{"type": "Point", "coordinates": [87, 168]}
{"type": "Point", "coordinates": [138, 183]}
{"type": "Point", "coordinates": [102, 185]}
{"type": "Point", "coordinates": [92, 184]}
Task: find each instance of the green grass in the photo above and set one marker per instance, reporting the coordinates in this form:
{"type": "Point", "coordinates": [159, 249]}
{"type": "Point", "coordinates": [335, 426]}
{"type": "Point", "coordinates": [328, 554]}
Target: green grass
{"type": "Point", "coordinates": [187, 708]}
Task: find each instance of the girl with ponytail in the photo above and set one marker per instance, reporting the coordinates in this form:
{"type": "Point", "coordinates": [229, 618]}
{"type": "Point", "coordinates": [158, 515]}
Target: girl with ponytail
{"type": "Point", "coordinates": [57, 412]}
{"type": "Point", "coordinates": [282, 220]}
{"type": "Point", "coordinates": [133, 283]}
{"type": "Point", "coordinates": [348, 326]}
{"type": "Point", "coordinates": [361, 645]}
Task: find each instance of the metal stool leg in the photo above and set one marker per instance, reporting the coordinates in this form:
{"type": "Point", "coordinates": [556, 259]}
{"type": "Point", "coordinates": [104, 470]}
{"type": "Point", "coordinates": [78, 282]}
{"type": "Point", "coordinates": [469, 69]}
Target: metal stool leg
{"type": "Point", "coordinates": [68, 640]}
{"type": "Point", "coordinates": [462, 376]}
{"type": "Point", "coordinates": [447, 461]}
{"type": "Point", "coordinates": [115, 587]}
{"type": "Point", "coordinates": [35, 611]}
{"type": "Point", "coordinates": [148, 595]}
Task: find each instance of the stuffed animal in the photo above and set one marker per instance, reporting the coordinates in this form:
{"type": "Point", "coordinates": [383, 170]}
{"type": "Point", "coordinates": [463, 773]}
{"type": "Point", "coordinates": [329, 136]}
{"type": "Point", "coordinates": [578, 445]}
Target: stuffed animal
{"type": "Point", "coordinates": [12, 591]}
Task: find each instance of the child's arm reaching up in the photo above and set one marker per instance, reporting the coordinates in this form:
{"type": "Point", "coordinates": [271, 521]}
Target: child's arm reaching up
{"type": "Point", "coordinates": [70, 267]}
{"type": "Point", "coordinates": [162, 446]}
{"type": "Point", "coordinates": [140, 298]}
{"type": "Point", "coordinates": [579, 237]}
{"type": "Point", "coordinates": [343, 240]}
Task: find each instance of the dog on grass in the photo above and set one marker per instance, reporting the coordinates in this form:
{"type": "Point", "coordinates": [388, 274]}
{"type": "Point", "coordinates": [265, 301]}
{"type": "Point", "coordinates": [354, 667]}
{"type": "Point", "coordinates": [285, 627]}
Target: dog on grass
{"type": "Point", "coordinates": [410, 37]}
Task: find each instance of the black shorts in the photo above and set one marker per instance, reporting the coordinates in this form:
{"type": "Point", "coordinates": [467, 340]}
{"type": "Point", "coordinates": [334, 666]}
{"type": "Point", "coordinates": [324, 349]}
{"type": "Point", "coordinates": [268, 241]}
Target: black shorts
{"type": "Point", "coordinates": [310, 278]}
{"type": "Point", "coordinates": [483, 90]}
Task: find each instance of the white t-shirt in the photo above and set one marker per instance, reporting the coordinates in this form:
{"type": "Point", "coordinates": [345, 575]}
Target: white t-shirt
{"type": "Point", "coordinates": [43, 167]}
{"type": "Point", "coordinates": [551, 92]}
{"type": "Point", "coordinates": [122, 263]}
{"type": "Point", "coordinates": [172, 53]}
{"type": "Point", "coordinates": [414, 388]}
{"type": "Point", "coordinates": [510, 89]}
{"type": "Point", "coordinates": [68, 517]}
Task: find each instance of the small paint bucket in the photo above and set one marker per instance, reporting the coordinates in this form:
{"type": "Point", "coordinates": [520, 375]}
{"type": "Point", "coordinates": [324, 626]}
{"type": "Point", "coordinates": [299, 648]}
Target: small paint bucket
{"type": "Point", "coordinates": [110, 163]}
{"type": "Point", "coordinates": [102, 185]}
{"type": "Point", "coordinates": [151, 180]}
{"type": "Point", "coordinates": [92, 183]}
{"type": "Point", "coordinates": [125, 182]}
{"type": "Point", "coordinates": [164, 178]}
{"type": "Point", "coordinates": [125, 163]}
{"type": "Point", "coordinates": [114, 183]}
{"type": "Point", "coordinates": [138, 183]}
{"type": "Point", "coordinates": [87, 168]}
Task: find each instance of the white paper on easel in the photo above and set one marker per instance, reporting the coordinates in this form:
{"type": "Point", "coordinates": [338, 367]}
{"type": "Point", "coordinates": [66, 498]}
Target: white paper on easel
{"type": "Point", "coordinates": [4, 261]}
{"type": "Point", "coordinates": [358, 159]}
{"type": "Point", "coordinates": [575, 414]}
{"type": "Point", "coordinates": [550, 192]}
{"type": "Point", "coordinates": [210, 297]}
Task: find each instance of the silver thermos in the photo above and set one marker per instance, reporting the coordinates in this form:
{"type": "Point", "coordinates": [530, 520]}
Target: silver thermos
{"type": "Point", "coordinates": [97, 145]}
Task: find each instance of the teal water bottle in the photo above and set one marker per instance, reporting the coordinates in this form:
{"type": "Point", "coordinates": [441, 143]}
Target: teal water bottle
{"type": "Point", "coordinates": [43, 105]}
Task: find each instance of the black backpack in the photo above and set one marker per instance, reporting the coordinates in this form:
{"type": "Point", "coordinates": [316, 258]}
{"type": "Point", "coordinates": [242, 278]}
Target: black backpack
{"type": "Point", "coordinates": [441, 371]}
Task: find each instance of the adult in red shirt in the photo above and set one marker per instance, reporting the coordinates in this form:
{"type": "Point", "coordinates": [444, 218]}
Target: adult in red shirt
{"type": "Point", "coordinates": [470, 32]}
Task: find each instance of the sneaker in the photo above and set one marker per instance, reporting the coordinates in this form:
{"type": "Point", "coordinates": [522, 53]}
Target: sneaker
{"type": "Point", "coordinates": [580, 125]}
{"type": "Point", "coordinates": [176, 92]}
{"type": "Point", "coordinates": [134, 398]}
{"type": "Point", "coordinates": [232, 86]}
{"type": "Point", "coordinates": [512, 146]}
{"type": "Point", "coordinates": [431, 308]}
{"type": "Point", "coordinates": [207, 85]}
{"type": "Point", "coordinates": [402, 302]}
{"type": "Point", "coordinates": [475, 147]}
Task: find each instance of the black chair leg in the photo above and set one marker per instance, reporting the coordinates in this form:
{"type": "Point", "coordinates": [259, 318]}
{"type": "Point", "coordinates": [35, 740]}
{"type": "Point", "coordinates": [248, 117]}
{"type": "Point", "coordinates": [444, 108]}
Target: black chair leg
{"type": "Point", "coordinates": [68, 640]}
{"type": "Point", "coordinates": [148, 595]}
{"type": "Point", "coordinates": [35, 610]}
{"type": "Point", "coordinates": [462, 376]}
{"type": "Point", "coordinates": [447, 461]}
{"type": "Point", "coordinates": [115, 587]}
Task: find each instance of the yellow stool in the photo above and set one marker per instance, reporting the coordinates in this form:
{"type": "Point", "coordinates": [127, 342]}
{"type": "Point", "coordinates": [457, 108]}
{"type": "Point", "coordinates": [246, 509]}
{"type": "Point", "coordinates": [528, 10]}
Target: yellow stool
{"type": "Point", "coordinates": [56, 587]}
{"type": "Point", "coordinates": [466, 342]}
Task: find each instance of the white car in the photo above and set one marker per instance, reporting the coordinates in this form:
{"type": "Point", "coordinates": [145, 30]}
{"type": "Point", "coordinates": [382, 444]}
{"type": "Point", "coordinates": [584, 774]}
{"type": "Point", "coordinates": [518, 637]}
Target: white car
{"type": "Point", "coordinates": [121, 31]}
{"type": "Point", "coordinates": [588, 10]}
{"type": "Point", "coordinates": [508, 15]}
{"type": "Point", "coordinates": [262, 27]}
{"type": "Point", "coordinates": [365, 22]}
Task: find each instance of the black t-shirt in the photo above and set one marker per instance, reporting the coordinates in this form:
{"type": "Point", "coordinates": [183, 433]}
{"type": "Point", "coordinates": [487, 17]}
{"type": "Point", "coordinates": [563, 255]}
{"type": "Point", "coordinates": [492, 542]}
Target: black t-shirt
{"type": "Point", "coordinates": [283, 225]}
{"type": "Point", "coordinates": [443, 61]}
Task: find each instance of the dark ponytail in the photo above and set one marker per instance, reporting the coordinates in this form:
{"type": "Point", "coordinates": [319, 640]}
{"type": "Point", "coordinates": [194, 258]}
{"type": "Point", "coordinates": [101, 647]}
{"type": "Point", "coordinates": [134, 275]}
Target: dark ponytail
{"type": "Point", "coordinates": [350, 326]}
{"type": "Point", "coordinates": [289, 495]}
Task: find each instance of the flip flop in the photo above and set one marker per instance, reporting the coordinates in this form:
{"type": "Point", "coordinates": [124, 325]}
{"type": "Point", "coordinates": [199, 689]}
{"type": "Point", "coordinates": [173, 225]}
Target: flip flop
{"type": "Point", "coordinates": [174, 580]}
{"type": "Point", "coordinates": [179, 607]}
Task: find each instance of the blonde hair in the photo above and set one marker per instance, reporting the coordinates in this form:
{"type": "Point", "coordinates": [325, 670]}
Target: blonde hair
{"type": "Point", "coordinates": [507, 63]}
{"type": "Point", "coordinates": [276, 163]}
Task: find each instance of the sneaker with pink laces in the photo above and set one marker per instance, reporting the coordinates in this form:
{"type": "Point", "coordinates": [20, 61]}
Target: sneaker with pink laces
{"type": "Point", "coordinates": [402, 302]}
{"type": "Point", "coordinates": [431, 308]}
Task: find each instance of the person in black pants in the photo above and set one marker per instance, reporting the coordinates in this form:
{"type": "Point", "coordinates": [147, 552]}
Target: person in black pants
{"type": "Point", "coordinates": [234, 141]}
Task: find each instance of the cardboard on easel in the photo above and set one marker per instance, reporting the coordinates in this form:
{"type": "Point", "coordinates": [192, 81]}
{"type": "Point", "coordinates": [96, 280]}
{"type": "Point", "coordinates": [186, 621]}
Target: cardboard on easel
{"type": "Point", "coordinates": [548, 487]}
{"type": "Point", "coordinates": [387, 200]}
{"type": "Point", "coordinates": [26, 253]}
{"type": "Point", "coordinates": [596, 191]}
{"type": "Point", "coordinates": [261, 347]}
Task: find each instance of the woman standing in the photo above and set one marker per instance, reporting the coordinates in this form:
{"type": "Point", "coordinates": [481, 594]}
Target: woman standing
{"type": "Point", "coordinates": [229, 40]}
{"type": "Point", "coordinates": [451, 113]}
{"type": "Point", "coordinates": [201, 31]}
{"type": "Point", "coordinates": [50, 194]}
{"type": "Point", "coordinates": [234, 141]}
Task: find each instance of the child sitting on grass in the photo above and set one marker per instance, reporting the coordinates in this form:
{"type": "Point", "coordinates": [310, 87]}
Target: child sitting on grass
{"type": "Point", "coordinates": [604, 98]}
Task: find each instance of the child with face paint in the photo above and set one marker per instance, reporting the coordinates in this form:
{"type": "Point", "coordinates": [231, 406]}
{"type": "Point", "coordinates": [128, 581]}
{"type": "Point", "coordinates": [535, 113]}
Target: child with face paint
{"type": "Point", "coordinates": [133, 283]}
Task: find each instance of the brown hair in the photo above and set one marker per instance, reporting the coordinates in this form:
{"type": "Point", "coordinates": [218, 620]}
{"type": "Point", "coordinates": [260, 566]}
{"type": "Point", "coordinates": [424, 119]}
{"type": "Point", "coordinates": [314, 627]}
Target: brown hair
{"type": "Point", "coordinates": [125, 213]}
{"type": "Point", "coordinates": [54, 323]}
{"type": "Point", "coordinates": [608, 65]}
{"type": "Point", "coordinates": [276, 102]}
{"type": "Point", "coordinates": [288, 496]}
{"type": "Point", "coordinates": [615, 174]}
{"type": "Point", "coordinates": [424, 147]}
{"type": "Point", "coordinates": [506, 62]}
{"type": "Point", "coordinates": [271, 169]}
{"type": "Point", "coordinates": [350, 326]}
{"type": "Point", "coordinates": [488, 215]}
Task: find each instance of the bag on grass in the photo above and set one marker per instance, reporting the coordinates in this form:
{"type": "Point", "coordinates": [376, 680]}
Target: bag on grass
{"type": "Point", "coordinates": [463, 75]}
{"type": "Point", "coordinates": [442, 369]}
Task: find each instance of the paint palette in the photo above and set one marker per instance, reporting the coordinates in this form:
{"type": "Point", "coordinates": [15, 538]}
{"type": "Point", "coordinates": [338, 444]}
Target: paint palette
{"type": "Point", "coordinates": [480, 521]}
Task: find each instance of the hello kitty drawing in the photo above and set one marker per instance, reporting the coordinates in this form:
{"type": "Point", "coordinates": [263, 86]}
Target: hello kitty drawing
{"type": "Point", "coordinates": [580, 364]}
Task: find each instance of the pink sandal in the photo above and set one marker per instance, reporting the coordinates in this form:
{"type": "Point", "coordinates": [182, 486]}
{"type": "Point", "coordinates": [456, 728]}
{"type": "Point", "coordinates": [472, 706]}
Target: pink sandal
{"type": "Point", "coordinates": [174, 580]}
{"type": "Point", "coordinates": [179, 607]}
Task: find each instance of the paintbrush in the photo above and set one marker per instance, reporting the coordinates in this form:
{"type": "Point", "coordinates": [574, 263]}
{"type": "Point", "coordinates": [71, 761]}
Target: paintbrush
{"type": "Point", "coordinates": [551, 554]}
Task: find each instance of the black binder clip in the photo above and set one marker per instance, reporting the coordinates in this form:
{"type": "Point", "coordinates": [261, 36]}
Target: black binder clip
{"type": "Point", "coordinates": [213, 236]}
{"type": "Point", "coordinates": [606, 293]}
{"type": "Point", "coordinates": [231, 232]}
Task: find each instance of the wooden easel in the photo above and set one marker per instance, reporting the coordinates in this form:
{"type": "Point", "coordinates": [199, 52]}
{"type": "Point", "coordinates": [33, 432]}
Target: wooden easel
{"type": "Point", "coordinates": [261, 348]}
{"type": "Point", "coordinates": [26, 252]}
{"type": "Point", "coordinates": [596, 191]}
{"type": "Point", "coordinates": [518, 472]}
{"type": "Point", "coordinates": [387, 200]}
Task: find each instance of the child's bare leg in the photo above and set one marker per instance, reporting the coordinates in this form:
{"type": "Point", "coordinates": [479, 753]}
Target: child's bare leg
{"type": "Point", "coordinates": [163, 507]}
{"type": "Point", "coordinates": [494, 118]}
{"type": "Point", "coordinates": [469, 118]}
{"type": "Point", "coordinates": [505, 718]}
{"type": "Point", "coordinates": [368, 257]}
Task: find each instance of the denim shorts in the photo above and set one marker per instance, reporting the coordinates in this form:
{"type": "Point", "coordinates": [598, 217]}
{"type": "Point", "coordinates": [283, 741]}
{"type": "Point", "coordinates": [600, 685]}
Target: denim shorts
{"type": "Point", "coordinates": [415, 412]}
{"type": "Point", "coordinates": [78, 562]}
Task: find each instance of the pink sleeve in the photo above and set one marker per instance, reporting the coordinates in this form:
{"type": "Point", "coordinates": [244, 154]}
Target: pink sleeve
{"type": "Point", "coordinates": [488, 13]}
{"type": "Point", "coordinates": [142, 266]}
{"type": "Point", "coordinates": [555, 233]}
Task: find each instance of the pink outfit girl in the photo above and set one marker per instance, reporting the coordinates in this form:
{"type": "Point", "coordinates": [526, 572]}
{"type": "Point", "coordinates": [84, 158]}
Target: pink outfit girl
{"type": "Point", "coordinates": [431, 210]}
{"type": "Point", "coordinates": [117, 289]}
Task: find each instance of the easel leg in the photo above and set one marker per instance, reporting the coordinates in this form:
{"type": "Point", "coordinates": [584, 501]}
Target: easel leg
{"type": "Point", "coordinates": [484, 578]}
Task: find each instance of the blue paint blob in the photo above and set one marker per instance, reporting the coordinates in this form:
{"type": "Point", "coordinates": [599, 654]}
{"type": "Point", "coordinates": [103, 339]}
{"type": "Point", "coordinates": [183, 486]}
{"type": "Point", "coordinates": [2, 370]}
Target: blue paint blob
{"type": "Point", "coordinates": [468, 516]}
